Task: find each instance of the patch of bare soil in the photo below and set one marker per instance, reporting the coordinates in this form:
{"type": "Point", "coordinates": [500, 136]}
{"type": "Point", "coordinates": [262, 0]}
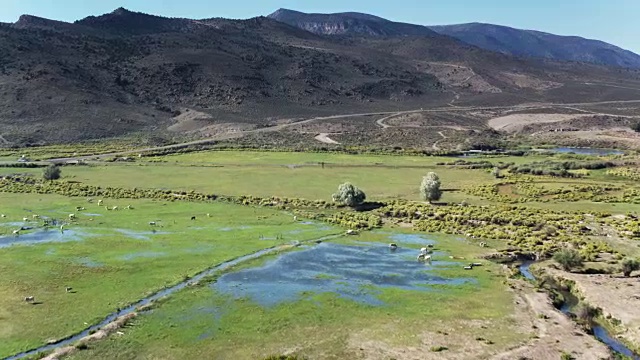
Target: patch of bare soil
{"type": "Point", "coordinates": [516, 122]}
{"type": "Point", "coordinates": [528, 81]}
{"type": "Point", "coordinates": [324, 138]}
{"type": "Point", "coordinates": [423, 120]}
{"type": "Point", "coordinates": [189, 121]}
{"type": "Point", "coordinates": [458, 76]}
{"type": "Point", "coordinates": [618, 298]}
{"type": "Point", "coordinates": [555, 333]}
{"type": "Point", "coordinates": [616, 138]}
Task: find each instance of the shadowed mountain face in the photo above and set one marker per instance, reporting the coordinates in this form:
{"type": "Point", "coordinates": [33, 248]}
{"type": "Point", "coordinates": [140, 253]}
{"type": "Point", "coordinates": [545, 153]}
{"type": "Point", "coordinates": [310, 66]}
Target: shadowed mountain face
{"type": "Point", "coordinates": [129, 73]}
{"type": "Point", "coordinates": [501, 39]}
{"type": "Point", "coordinates": [539, 44]}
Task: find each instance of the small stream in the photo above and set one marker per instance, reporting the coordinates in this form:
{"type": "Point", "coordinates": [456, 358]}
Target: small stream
{"type": "Point", "coordinates": [600, 332]}
{"type": "Point", "coordinates": [160, 294]}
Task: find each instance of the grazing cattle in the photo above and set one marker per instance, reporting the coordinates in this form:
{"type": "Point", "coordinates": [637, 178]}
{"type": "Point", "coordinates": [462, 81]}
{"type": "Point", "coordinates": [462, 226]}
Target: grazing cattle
{"type": "Point", "coordinates": [152, 223]}
{"type": "Point", "coordinates": [25, 219]}
{"type": "Point", "coordinates": [62, 228]}
{"type": "Point", "coordinates": [468, 267]}
{"type": "Point", "coordinates": [107, 208]}
{"type": "Point", "coordinates": [114, 208]}
{"type": "Point", "coordinates": [128, 207]}
{"type": "Point", "coordinates": [430, 246]}
{"type": "Point", "coordinates": [295, 218]}
{"type": "Point", "coordinates": [3, 215]}
{"type": "Point", "coordinates": [99, 202]}
{"type": "Point", "coordinates": [424, 257]}
{"type": "Point", "coordinates": [30, 299]}
{"type": "Point", "coordinates": [483, 244]}
{"type": "Point", "coordinates": [79, 208]}
{"type": "Point", "coordinates": [425, 251]}
{"type": "Point", "coordinates": [193, 218]}
{"type": "Point", "coordinates": [16, 232]}
{"type": "Point", "coordinates": [72, 216]}
{"type": "Point", "coordinates": [393, 246]}
{"type": "Point", "coordinates": [68, 289]}
{"type": "Point", "coordinates": [34, 216]}
{"type": "Point", "coordinates": [208, 215]}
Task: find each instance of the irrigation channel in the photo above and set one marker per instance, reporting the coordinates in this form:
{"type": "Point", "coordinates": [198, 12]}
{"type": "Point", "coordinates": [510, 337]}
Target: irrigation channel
{"type": "Point", "coordinates": [160, 294]}
{"type": "Point", "coordinates": [599, 331]}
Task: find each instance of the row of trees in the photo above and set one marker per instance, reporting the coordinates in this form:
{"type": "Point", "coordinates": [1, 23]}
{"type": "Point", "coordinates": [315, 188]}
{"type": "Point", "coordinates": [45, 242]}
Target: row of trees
{"type": "Point", "coordinates": [350, 195]}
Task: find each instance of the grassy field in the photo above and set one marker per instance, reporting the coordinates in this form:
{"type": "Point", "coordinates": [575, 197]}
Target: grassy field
{"type": "Point", "coordinates": [114, 258]}
{"type": "Point", "coordinates": [204, 322]}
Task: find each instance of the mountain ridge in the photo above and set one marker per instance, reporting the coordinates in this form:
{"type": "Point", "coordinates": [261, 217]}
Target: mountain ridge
{"type": "Point", "coordinates": [126, 73]}
{"type": "Point", "coordinates": [534, 43]}
{"type": "Point", "coordinates": [498, 38]}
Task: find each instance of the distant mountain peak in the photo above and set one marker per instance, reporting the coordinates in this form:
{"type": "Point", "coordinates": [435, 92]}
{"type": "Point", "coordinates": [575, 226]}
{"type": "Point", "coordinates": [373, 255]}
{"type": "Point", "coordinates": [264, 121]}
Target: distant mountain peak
{"type": "Point", "coordinates": [121, 11]}
{"type": "Point", "coordinates": [123, 21]}
{"type": "Point", "coordinates": [34, 22]}
{"type": "Point", "coordinates": [348, 23]}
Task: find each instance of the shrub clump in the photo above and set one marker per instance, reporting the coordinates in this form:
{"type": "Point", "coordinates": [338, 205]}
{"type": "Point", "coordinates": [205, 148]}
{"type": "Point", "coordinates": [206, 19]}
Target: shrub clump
{"type": "Point", "coordinates": [629, 266]}
{"type": "Point", "coordinates": [568, 259]}
{"type": "Point", "coordinates": [349, 195]}
{"type": "Point", "coordinates": [430, 187]}
{"type": "Point", "coordinates": [51, 172]}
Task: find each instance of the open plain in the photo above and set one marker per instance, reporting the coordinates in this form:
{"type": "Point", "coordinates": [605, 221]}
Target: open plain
{"type": "Point", "coordinates": [310, 289]}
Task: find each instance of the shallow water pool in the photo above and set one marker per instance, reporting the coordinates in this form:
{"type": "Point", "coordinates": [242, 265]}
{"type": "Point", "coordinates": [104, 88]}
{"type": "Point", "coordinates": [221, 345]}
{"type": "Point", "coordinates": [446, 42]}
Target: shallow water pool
{"type": "Point", "coordinates": [353, 272]}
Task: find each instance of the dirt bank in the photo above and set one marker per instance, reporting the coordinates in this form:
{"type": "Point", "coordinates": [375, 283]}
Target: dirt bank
{"type": "Point", "coordinates": [548, 334]}
{"type": "Point", "coordinates": [618, 298]}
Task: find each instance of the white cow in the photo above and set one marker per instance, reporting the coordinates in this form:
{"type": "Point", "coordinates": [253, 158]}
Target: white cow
{"type": "Point", "coordinates": [425, 258]}
{"type": "Point", "coordinates": [72, 216]}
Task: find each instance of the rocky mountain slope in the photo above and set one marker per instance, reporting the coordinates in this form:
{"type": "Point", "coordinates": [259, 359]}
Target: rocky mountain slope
{"type": "Point", "coordinates": [501, 39]}
{"type": "Point", "coordinates": [539, 44]}
{"type": "Point", "coordinates": [129, 73]}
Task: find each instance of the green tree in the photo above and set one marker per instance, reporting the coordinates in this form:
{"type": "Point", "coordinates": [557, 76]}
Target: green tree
{"type": "Point", "coordinates": [568, 259]}
{"type": "Point", "coordinates": [349, 195]}
{"type": "Point", "coordinates": [430, 187]}
{"type": "Point", "coordinates": [51, 172]}
{"type": "Point", "coordinates": [629, 266]}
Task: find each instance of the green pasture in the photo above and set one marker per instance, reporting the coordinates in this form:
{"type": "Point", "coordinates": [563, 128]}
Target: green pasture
{"type": "Point", "coordinates": [114, 258]}
{"type": "Point", "coordinates": [118, 259]}
{"type": "Point", "coordinates": [203, 323]}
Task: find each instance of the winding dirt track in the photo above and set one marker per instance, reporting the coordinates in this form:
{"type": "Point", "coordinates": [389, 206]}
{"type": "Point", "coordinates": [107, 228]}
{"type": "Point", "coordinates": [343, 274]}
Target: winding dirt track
{"type": "Point", "coordinates": [380, 122]}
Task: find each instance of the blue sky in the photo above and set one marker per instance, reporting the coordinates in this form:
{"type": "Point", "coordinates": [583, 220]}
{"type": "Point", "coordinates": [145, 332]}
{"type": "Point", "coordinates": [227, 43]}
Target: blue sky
{"type": "Point", "coordinates": [614, 21]}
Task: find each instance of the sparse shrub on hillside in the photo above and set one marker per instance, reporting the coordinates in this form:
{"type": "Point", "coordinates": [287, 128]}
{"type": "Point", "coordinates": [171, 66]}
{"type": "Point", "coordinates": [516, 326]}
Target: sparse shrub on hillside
{"type": "Point", "coordinates": [635, 126]}
{"type": "Point", "coordinates": [51, 172]}
{"type": "Point", "coordinates": [349, 195]}
{"type": "Point", "coordinates": [430, 187]}
{"type": "Point", "coordinates": [629, 266]}
{"type": "Point", "coordinates": [568, 259]}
